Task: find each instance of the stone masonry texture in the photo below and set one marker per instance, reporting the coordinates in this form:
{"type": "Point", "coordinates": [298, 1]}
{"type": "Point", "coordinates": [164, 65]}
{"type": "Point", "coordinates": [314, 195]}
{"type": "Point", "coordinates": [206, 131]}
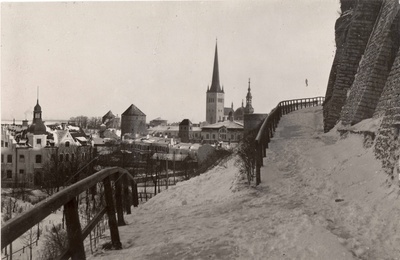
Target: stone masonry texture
{"type": "Point", "coordinates": [374, 67]}
{"type": "Point", "coordinates": [387, 145]}
{"type": "Point", "coordinates": [365, 77]}
{"type": "Point", "coordinates": [352, 35]}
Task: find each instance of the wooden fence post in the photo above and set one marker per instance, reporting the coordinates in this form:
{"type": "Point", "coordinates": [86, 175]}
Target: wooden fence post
{"type": "Point", "coordinates": [112, 220]}
{"type": "Point", "coordinates": [127, 201]}
{"type": "Point", "coordinates": [258, 164]}
{"type": "Point", "coordinates": [74, 232]}
{"type": "Point", "coordinates": [135, 197]}
{"type": "Point", "coordinates": [118, 199]}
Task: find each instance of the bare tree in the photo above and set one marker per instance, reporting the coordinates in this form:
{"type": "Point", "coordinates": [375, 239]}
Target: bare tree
{"type": "Point", "coordinates": [246, 157]}
{"type": "Point", "coordinates": [55, 243]}
{"type": "Point", "coordinates": [29, 238]}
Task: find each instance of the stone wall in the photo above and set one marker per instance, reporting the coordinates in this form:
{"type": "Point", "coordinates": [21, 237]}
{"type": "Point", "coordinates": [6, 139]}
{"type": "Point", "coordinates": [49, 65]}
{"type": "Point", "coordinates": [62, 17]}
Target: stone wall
{"type": "Point", "coordinates": [387, 145]}
{"type": "Point", "coordinates": [374, 67]}
{"type": "Point", "coordinates": [365, 78]}
{"type": "Point", "coordinates": [389, 91]}
{"type": "Point", "coordinates": [353, 30]}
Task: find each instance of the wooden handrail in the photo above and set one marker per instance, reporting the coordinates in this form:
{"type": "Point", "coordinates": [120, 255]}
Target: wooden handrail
{"type": "Point", "coordinates": [271, 122]}
{"type": "Point", "coordinates": [17, 226]}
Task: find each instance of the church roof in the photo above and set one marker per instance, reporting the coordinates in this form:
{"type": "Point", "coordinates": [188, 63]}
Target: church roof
{"type": "Point", "coordinates": [215, 85]}
{"type": "Point", "coordinates": [133, 111]}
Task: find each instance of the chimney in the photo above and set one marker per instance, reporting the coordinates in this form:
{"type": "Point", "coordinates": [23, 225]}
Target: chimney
{"type": "Point", "coordinates": [25, 123]}
{"type": "Point", "coordinates": [63, 126]}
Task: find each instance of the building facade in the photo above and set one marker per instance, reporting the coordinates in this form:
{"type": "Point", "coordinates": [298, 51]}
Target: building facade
{"type": "Point", "coordinates": [27, 151]}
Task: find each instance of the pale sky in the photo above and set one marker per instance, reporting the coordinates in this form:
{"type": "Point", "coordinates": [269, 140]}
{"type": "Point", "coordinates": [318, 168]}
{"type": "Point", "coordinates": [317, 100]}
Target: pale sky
{"type": "Point", "coordinates": [91, 57]}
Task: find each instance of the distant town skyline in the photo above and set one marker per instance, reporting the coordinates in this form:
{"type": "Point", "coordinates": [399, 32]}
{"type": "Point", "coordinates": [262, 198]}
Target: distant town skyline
{"type": "Point", "coordinates": [88, 58]}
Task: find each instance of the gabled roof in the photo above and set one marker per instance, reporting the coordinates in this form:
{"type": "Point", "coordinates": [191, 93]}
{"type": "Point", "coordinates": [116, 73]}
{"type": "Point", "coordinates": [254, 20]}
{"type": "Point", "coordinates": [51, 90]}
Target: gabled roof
{"type": "Point", "coordinates": [109, 115]}
{"type": "Point", "coordinates": [61, 136]}
{"type": "Point", "coordinates": [133, 111]}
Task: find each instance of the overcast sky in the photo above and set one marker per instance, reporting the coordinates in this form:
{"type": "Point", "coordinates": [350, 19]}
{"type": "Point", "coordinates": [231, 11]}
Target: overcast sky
{"type": "Point", "coordinates": [88, 58]}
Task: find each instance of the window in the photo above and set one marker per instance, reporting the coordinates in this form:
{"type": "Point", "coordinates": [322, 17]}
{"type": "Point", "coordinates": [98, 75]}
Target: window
{"type": "Point", "coordinates": [6, 144]}
{"type": "Point", "coordinates": [207, 136]}
{"type": "Point", "coordinates": [67, 144]}
{"type": "Point", "coordinates": [61, 157]}
{"type": "Point", "coordinates": [21, 158]}
{"type": "Point", "coordinates": [2, 143]}
{"type": "Point", "coordinates": [9, 158]}
{"type": "Point", "coordinates": [213, 136]}
{"type": "Point", "coordinates": [67, 157]}
{"type": "Point", "coordinates": [9, 174]}
{"type": "Point", "coordinates": [39, 141]}
{"type": "Point", "coordinates": [38, 158]}
{"type": "Point", "coordinates": [21, 171]}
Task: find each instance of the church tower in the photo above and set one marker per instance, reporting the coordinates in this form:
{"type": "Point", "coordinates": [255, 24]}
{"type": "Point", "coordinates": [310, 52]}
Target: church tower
{"type": "Point", "coordinates": [36, 133]}
{"type": "Point", "coordinates": [215, 96]}
{"type": "Point", "coordinates": [249, 108]}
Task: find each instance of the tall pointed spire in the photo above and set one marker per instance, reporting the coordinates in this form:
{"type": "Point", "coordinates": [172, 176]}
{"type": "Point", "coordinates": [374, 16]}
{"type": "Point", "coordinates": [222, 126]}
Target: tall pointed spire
{"type": "Point", "coordinates": [215, 85]}
{"type": "Point", "coordinates": [249, 108]}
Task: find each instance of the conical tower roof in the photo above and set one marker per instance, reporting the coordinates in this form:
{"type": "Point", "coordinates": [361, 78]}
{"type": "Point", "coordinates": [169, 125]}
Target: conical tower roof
{"type": "Point", "coordinates": [215, 85]}
{"type": "Point", "coordinates": [133, 111]}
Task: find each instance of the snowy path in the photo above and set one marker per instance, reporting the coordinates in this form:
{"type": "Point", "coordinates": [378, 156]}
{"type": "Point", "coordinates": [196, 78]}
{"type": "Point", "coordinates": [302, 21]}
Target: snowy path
{"type": "Point", "coordinates": [291, 215]}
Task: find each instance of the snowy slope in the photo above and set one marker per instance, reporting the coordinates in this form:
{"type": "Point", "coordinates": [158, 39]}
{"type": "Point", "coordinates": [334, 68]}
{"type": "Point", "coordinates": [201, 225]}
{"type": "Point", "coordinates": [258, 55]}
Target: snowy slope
{"type": "Point", "coordinates": [321, 197]}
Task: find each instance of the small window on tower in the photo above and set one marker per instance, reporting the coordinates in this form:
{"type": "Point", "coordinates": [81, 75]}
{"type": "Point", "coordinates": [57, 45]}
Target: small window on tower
{"type": "Point", "coordinates": [38, 141]}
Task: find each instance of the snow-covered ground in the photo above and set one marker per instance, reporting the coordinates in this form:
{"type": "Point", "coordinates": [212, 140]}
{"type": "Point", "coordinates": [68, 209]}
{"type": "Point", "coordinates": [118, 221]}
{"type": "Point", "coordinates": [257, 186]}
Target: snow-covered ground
{"type": "Point", "coordinates": [321, 197]}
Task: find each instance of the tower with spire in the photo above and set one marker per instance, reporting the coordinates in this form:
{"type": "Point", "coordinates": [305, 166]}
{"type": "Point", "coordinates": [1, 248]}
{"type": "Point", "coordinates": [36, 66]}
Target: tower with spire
{"type": "Point", "coordinates": [37, 134]}
{"type": "Point", "coordinates": [215, 95]}
{"type": "Point", "coordinates": [249, 108]}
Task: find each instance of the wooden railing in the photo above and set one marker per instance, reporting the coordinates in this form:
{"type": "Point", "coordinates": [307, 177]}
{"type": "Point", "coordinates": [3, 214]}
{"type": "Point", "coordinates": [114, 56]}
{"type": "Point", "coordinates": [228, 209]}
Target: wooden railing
{"type": "Point", "coordinates": [267, 129]}
{"type": "Point", "coordinates": [17, 226]}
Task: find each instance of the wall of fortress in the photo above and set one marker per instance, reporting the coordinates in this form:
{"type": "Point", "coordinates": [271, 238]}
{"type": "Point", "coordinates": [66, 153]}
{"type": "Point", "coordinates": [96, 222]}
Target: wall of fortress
{"type": "Point", "coordinates": [365, 77]}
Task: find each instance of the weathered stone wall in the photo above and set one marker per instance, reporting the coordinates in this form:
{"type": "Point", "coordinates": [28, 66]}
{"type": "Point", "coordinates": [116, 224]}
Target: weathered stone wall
{"type": "Point", "coordinates": [365, 78]}
{"type": "Point", "coordinates": [387, 145]}
{"type": "Point", "coordinates": [355, 37]}
{"type": "Point", "coordinates": [374, 67]}
{"type": "Point", "coordinates": [341, 29]}
{"type": "Point", "coordinates": [388, 95]}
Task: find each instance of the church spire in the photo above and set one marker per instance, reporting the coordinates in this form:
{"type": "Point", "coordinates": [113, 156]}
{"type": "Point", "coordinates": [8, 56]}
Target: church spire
{"type": "Point", "coordinates": [215, 85]}
{"type": "Point", "coordinates": [249, 108]}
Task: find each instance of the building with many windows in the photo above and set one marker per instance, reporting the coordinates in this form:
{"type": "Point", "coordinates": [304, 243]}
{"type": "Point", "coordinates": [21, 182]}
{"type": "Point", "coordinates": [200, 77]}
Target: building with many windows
{"type": "Point", "coordinates": [25, 152]}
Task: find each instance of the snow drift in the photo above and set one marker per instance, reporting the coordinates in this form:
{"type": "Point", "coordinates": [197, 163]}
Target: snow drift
{"type": "Point", "coordinates": [321, 197]}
